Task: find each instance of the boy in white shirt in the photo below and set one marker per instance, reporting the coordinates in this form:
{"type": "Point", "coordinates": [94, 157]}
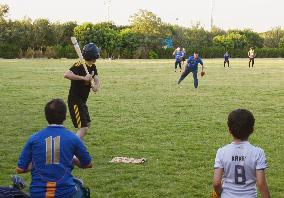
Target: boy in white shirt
{"type": "Point", "coordinates": [240, 165]}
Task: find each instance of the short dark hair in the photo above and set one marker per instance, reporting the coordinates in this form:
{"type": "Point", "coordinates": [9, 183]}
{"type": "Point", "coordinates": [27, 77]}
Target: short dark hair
{"type": "Point", "coordinates": [55, 111]}
{"type": "Point", "coordinates": [195, 52]}
{"type": "Point", "coordinates": [241, 123]}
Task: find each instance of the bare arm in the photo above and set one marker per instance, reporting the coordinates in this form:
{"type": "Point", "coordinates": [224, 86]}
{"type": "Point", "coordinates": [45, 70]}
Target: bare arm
{"type": "Point", "coordinates": [201, 63]}
{"type": "Point", "coordinates": [77, 163]}
{"type": "Point", "coordinates": [217, 180]}
{"type": "Point", "coordinates": [97, 85]}
{"type": "Point", "coordinates": [71, 76]}
{"type": "Point", "coordinates": [20, 170]}
{"type": "Point", "coordinates": [261, 183]}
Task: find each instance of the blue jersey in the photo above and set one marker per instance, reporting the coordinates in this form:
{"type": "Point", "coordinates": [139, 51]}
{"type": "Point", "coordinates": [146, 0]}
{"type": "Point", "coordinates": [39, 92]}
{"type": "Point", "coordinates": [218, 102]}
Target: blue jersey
{"type": "Point", "coordinates": [226, 57]}
{"type": "Point", "coordinates": [178, 56]}
{"type": "Point", "coordinates": [51, 152]}
{"type": "Point", "coordinates": [193, 63]}
{"type": "Point", "coordinates": [183, 53]}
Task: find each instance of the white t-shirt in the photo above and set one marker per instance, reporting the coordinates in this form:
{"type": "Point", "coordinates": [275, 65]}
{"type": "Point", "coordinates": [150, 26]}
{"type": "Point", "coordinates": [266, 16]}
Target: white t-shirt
{"type": "Point", "coordinates": [251, 53]}
{"type": "Point", "coordinates": [240, 162]}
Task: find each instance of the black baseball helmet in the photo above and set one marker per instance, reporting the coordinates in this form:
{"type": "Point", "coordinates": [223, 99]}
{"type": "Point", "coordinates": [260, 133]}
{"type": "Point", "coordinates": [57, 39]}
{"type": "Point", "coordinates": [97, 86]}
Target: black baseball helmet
{"type": "Point", "coordinates": [91, 52]}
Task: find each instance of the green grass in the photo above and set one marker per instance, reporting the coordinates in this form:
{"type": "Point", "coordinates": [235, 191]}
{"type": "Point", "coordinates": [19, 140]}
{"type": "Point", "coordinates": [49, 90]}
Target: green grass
{"type": "Point", "coordinates": [141, 112]}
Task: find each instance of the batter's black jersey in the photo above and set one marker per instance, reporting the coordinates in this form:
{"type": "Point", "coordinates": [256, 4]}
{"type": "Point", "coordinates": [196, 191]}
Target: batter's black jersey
{"type": "Point", "coordinates": [80, 89]}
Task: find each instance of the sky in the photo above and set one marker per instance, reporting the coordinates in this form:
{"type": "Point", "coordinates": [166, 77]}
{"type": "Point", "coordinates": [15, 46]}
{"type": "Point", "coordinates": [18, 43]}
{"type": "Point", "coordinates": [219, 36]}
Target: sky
{"type": "Point", "coordinates": [258, 15]}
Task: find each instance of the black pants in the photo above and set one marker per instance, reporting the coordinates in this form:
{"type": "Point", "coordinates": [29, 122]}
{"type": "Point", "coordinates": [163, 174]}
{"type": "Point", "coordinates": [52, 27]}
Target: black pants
{"type": "Point", "coordinates": [178, 63]}
{"type": "Point", "coordinates": [79, 114]}
{"type": "Point", "coordinates": [227, 62]}
{"type": "Point", "coordinates": [12, 192]}
{"type": "Point", "coordinates": [252, 62]}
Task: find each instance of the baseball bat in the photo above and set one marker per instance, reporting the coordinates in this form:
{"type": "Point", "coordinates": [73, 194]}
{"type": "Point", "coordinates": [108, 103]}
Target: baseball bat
{"type": "Point", "coordinates": [79, 53]}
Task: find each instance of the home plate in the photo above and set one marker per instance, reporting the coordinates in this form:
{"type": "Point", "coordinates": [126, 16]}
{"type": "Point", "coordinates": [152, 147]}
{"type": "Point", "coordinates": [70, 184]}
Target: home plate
{"type": "Point", "coordinates": [128, 160]}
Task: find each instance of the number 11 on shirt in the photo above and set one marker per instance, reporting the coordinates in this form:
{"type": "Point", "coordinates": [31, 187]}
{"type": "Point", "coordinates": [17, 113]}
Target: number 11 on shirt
{"type": "Point", "coordinates": [52, 150]}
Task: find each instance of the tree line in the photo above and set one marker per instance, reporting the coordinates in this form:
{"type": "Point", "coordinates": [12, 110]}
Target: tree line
{"type": "Point", "coordinates": [145, 37]}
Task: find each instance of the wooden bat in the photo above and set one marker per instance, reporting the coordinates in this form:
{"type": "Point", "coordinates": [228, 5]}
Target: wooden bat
{"type": "Point", "coordinates": [79, 53]}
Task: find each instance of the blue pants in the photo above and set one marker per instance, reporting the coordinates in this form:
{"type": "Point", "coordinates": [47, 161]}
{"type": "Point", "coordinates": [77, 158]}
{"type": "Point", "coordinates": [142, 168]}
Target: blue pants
{"type": "Point", "coordinates": [186, 72]}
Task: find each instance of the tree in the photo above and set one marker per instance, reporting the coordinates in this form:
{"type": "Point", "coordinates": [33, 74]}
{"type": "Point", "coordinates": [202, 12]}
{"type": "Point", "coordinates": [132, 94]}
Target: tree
{"type": "Point", "coordinates": [84, 33]}
{"type": "Point", "coordinates": [253, 38]}
{"type": "Point", "coordinates": [101, 34]}
{"type": "Point", "coordinates": [129, 42]}
{"type": "Point", "coordinates": [178, 35]}
{"type": "Point", "coordinates": [231, 41]}
{"type": "Point", "coordinates": [43, 34]}
{"type": "Point", "coordinates": [272, 38]}
{"type": "Point", "coordinates": [4, 10]}
{"type": "Point", "coordinates": [21, 33]}
{"type": "Point", "coordinates": [198, 37]}
{"type": "Point", "coordinates": [281, 43]}
{"type": "Point", "coordinates": [150, 29]}
{"type": "Point", "coordinates": [147, 23]}
{"type": "Point", "coordinates": [63, 32]}
{"type": "Point", "coordinates": [215, 31]}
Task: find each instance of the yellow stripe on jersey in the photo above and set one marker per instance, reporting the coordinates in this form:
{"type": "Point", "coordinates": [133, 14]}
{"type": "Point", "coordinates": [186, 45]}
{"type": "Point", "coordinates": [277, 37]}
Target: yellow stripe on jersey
{"type": "Point", "coordinates": [77, 64]}
{"type": "Point", "coordinates": [56, 143]}
{"type": "Point", "coordinates": [50, 189]}
{"type": "Point", "coordinates": [48, 150]}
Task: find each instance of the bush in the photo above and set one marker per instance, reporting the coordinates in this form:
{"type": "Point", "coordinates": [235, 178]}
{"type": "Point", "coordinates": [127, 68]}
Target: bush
{"type": "Point", "coordinates": [50, 52]}
{"type": "Point", "coordinates": [270, 52]}
{"type": "Point", "coordinates": [153, 55]}
{"type": "Point", "coordinates": [12, 51]}
{"type": "Point", "coordinates": [38, 54]}
{"type": "Point", "coordinates": [103, 54]}
{"type": "Point", "coordinates": [20, 54]}
{"type": "Point", "coordinates": [9, 51]}
{"type": "Point", "coordinates": [69, 52]}
{"type": "Point", "coordinates": [64, 51]}
{"type": "Point", "coordinates": [29, 53]}
{"type": "Point", "coordinates": [138, 53]}
{"type": "Point", "coordinates": [166, 53]}
{"type": "Point", "coordinates": [218, 52]}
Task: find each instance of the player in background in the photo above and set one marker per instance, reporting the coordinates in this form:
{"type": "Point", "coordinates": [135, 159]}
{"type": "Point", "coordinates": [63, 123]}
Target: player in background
{"type": "Point", "coordinates": [49, 153]}
{"type": "Point", "coordinates": [226, 59]}
{"type": "Point", "coordinates": [192, 66]}
{"type": "Point", "coordinates": [178, 57]}
{"type": "Point", "coordinates": [80, 88]}
{"type": "Point", "coordinates": [240, 164]}
{"type": "Point", "coordinates": [251, 55]}
{"type": "Point", "coordinates": [183, 54]}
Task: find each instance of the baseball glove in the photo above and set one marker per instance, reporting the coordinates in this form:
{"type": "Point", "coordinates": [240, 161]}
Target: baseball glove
{"type": "Point", "coordinates": [214, 194]}
{"type": "Point", "coordinates": [202, 73]}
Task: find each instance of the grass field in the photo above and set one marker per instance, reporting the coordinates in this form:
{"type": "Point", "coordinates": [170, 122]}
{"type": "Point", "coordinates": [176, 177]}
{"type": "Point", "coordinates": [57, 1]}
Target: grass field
{"type": "Point", "coordinates": [141, 112]}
